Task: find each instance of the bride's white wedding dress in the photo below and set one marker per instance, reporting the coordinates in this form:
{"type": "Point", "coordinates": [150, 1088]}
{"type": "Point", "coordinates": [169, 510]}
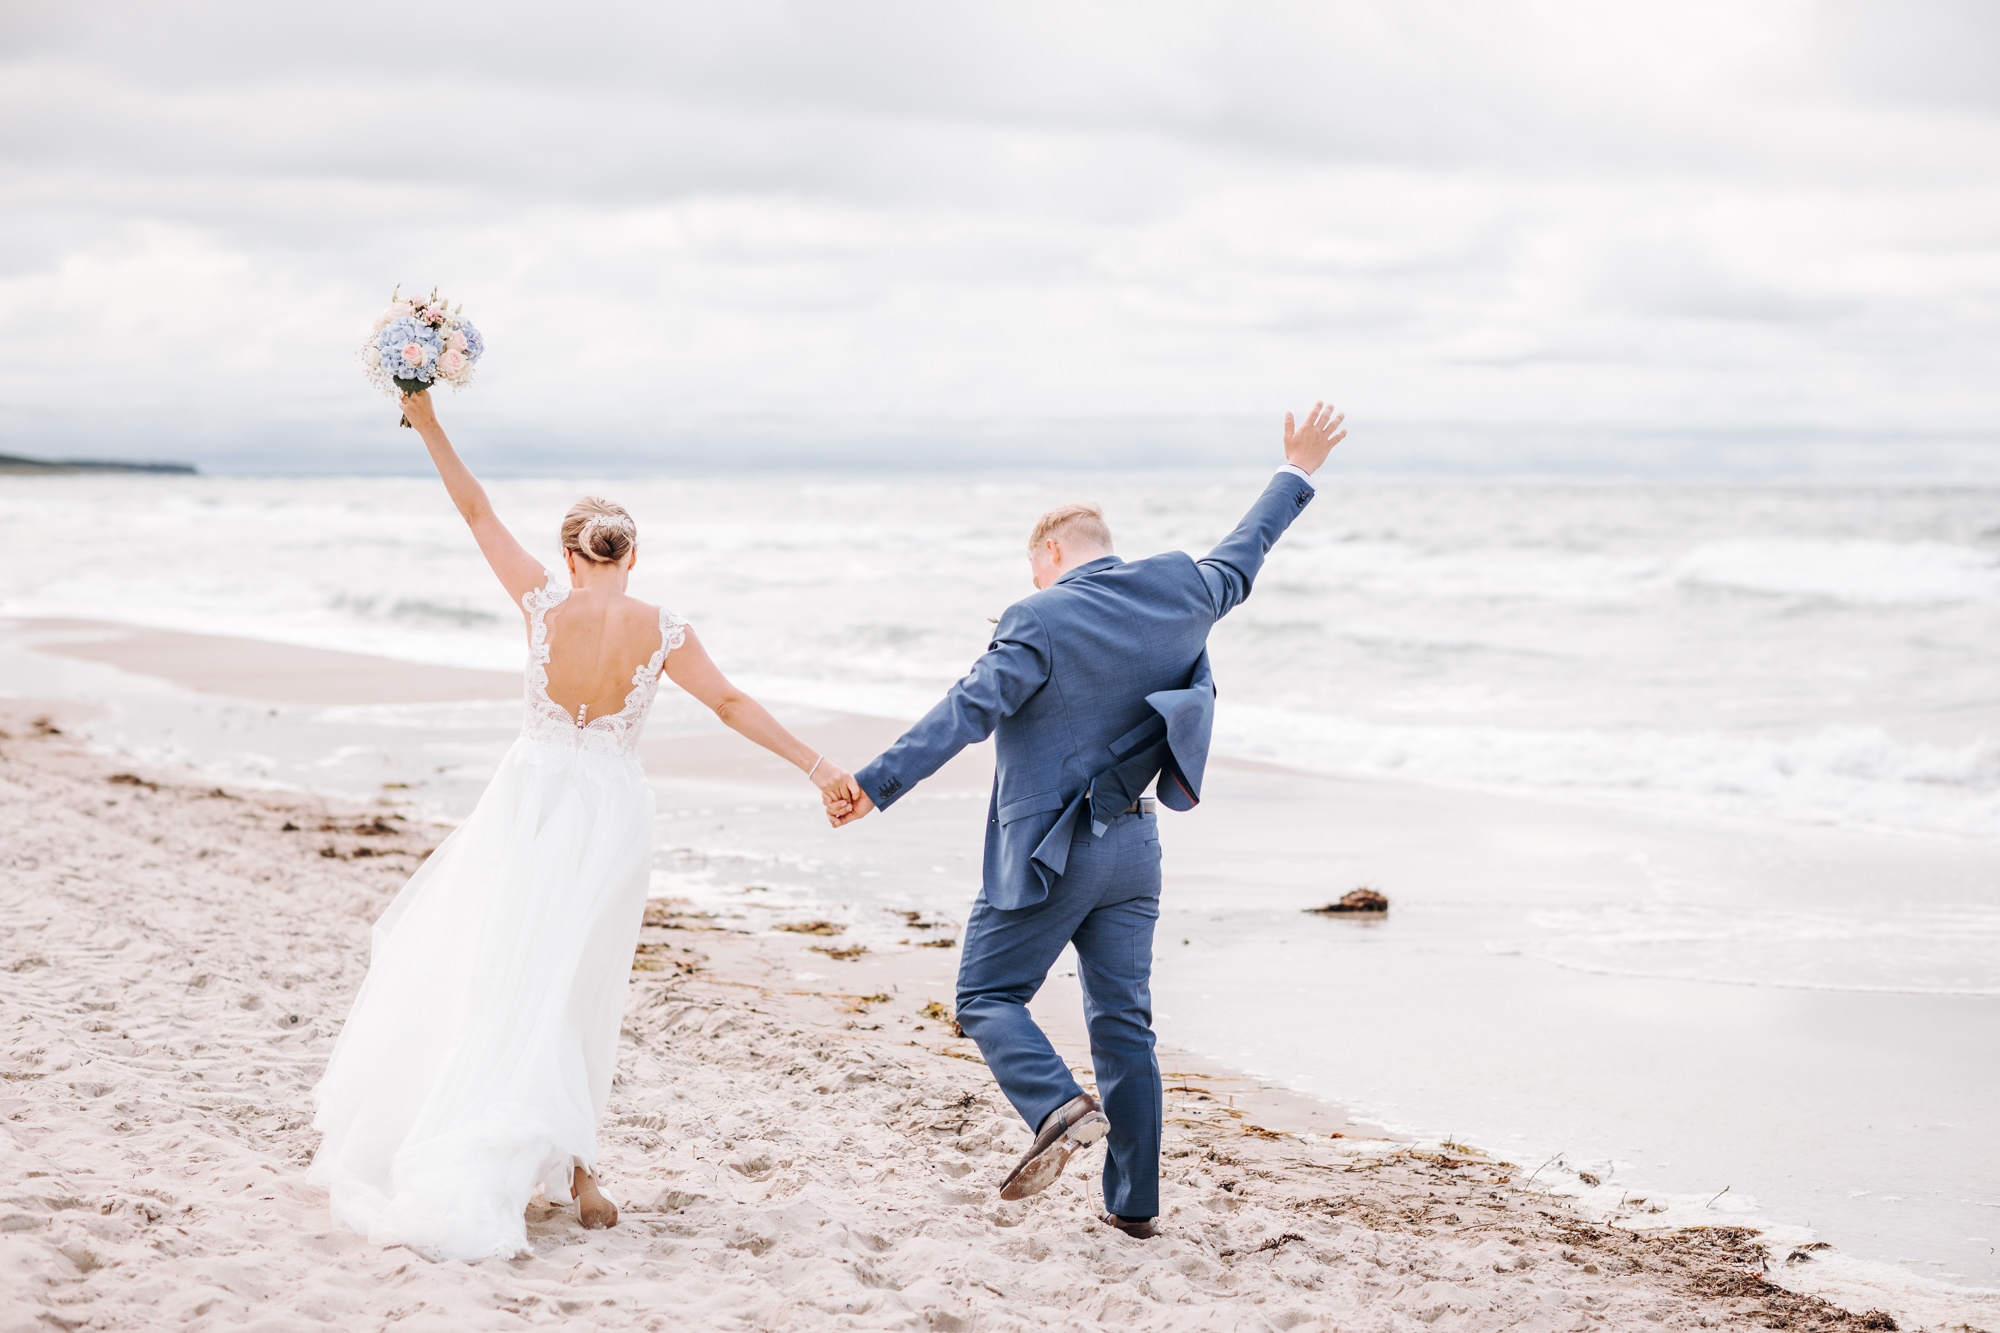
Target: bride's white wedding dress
{"type": "Point", "coordinates": [478, 1057]}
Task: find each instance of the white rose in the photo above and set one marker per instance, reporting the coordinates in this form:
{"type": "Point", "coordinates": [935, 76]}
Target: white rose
{"type": "Point", "coordinates": [373, 356]}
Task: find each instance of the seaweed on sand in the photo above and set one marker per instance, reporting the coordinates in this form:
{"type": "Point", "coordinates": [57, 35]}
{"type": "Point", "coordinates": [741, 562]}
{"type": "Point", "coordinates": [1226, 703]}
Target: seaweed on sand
{"type": "Point", "coordinates": [811, 927]}
{"type": "Point", "coordinates": [1363, 900]}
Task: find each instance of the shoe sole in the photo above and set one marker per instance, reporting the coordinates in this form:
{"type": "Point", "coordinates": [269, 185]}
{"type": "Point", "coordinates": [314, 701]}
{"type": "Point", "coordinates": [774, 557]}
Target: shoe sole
{"type": "Point", "coordinates": [1040, 1171]}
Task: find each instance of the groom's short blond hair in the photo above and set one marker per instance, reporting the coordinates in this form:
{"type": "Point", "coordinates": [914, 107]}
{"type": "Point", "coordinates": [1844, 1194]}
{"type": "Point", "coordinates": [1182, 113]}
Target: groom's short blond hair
{"type": "Point", "coordinates": [1072, 522]}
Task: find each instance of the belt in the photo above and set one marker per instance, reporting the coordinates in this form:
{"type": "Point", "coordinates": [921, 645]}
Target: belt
{"type": "Point", "coordinates": [1145, 805]}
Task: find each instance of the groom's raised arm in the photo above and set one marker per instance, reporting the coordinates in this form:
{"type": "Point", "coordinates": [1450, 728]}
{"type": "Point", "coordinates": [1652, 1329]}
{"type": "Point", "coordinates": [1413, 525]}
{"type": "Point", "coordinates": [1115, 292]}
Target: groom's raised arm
{"type": "Point", "coordinates": [1232, 566]}
{"type": "Point", "coordinates": [1014, 666]}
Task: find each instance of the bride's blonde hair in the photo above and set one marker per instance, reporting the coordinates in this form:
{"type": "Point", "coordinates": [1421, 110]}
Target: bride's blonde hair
{"type": "Point", "coordinates": [599, 531]}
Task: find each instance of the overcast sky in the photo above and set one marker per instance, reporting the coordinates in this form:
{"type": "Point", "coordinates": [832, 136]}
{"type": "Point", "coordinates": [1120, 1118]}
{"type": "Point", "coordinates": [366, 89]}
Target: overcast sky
{"type": "Point", "coordinates": [1674, 239]}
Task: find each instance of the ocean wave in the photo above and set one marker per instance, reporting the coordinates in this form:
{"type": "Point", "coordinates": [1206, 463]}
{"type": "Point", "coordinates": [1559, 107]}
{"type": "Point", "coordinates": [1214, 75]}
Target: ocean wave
{"type": "Point", "coordinates": [1481, 574]}
{"type": "Point", "coordinates": [1862, 571]}
{"type": "Point", "coordinates": [1854, 570]}
{"type": "Point", "coordinates": [413, 611]}
{"type": "Point", "coordinates": [1853, 775]}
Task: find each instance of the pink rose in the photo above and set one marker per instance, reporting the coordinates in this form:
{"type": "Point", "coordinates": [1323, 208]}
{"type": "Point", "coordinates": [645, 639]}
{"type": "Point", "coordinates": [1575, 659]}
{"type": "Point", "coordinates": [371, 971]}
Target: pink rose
{"type": "Point", "coordinates": [414, 354]}
{"type": "Point", "coordinates": [456, 342]}
{"type": "Point", "coordinates": [452, 362]}
{"type": "Point", "coordinates": [397, 309]}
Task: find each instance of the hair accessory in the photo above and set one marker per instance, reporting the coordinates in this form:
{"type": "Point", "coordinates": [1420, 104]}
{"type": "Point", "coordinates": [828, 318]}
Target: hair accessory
{"type": "Point", "coordinates": [596, 523]}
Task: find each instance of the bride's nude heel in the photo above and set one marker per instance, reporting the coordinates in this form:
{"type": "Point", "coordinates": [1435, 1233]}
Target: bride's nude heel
{"type": "Point", "coordinates": [592, 1209]}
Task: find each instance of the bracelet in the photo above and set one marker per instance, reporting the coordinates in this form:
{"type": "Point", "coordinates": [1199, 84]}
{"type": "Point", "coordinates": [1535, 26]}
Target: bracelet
{"type": "Point", "coordinates": [815, 768]}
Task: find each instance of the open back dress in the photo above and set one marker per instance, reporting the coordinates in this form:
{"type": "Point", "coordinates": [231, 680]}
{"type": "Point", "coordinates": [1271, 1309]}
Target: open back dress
{"type": "Point", "coordinates": [477, 1060]}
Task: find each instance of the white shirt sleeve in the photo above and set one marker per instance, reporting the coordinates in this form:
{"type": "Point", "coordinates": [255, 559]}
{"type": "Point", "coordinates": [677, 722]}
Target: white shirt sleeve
{"type": "Point", "coordinates": [1298, 472]}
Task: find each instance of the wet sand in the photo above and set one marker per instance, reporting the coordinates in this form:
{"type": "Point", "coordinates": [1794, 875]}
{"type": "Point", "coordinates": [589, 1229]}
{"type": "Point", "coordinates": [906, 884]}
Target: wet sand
{"type": "Point", "coordinates": [266, 672]}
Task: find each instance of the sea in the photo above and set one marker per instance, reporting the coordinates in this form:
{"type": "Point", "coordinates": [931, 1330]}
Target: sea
{"type": "Point", "coordinates": [1763, 720]}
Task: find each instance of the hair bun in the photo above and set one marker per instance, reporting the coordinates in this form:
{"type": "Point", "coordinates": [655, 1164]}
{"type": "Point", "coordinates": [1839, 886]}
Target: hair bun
{"type": "Point", "coordinates": [599, 531]}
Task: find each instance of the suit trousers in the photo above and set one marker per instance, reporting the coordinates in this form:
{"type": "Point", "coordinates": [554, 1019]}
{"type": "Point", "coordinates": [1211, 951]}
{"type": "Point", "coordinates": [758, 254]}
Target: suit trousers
{"type": "Point", "coordinates": [1107, 903]}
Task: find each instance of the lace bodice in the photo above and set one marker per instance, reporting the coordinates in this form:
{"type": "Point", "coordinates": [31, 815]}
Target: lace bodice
{"type": "Point", "coordinates": [615, 735]}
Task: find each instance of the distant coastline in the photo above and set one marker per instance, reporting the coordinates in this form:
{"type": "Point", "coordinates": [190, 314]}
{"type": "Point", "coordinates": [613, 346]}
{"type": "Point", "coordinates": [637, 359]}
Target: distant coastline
{"type": "Point", "coordinates": [18, 463]}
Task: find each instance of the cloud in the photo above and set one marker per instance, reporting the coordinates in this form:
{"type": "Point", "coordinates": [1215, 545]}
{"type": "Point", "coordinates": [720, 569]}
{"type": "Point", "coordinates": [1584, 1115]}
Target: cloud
{"type": "Point", "coordinates": [916, 235]}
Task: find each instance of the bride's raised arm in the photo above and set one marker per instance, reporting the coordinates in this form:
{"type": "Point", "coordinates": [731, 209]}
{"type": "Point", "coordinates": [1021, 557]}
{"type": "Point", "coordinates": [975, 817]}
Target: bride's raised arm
{"type": "Point", "coordinates": [519, 572]}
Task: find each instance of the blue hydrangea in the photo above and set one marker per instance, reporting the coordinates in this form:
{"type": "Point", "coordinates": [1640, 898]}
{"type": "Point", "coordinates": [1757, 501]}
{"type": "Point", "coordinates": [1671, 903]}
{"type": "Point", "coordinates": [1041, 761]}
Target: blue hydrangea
{"type": "Point", "coordinates": [474, 344]}
{"type": "Point", "coordinates": [400, 333]}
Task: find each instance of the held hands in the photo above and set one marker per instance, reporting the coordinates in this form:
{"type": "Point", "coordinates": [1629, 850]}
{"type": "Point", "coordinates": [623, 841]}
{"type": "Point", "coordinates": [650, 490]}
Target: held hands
{"type": "Point", "coordinates": [845, 801]}
{"type": "Point", "coordinates": [1307, 446]}
{"type": "Point", "coordinates": [857, 804]}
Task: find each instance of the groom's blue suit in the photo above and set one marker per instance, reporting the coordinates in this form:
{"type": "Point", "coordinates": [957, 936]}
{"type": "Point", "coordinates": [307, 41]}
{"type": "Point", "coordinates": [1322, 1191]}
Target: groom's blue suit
{"type": "Point", "coordinates": [1095, 686]}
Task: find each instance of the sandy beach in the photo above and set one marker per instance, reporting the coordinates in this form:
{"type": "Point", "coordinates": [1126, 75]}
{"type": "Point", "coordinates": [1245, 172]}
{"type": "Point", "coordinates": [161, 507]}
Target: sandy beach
{"type": "Point", "coordinates": [1582, 420]}
{"type": "Point", "coordinates": [178, 957]}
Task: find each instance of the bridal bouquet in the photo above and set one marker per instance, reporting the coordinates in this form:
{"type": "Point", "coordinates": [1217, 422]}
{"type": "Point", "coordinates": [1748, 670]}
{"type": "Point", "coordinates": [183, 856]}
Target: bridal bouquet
{"type": "Point", "coordinates": [420, 342]}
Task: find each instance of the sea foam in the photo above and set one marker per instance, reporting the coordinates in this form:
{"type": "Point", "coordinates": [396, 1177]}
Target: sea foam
{"type": "Point", "coordinates": [1853, 570]}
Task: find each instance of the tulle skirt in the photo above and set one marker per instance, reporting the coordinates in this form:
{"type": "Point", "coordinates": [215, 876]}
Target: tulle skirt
{"type": "Point", "coordinates": [479, 1054]}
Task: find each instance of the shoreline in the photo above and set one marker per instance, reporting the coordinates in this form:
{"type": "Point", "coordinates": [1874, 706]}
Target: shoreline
{"type": "Point", "coordinates": [785, 1158]}
{"type": "Point", "coordinates": [721, 770]}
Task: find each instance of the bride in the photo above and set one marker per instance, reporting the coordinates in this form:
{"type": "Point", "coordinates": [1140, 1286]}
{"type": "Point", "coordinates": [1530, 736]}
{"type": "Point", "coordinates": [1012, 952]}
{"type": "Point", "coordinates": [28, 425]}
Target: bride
{"type": "Point", "coordinates": [478, 1056]}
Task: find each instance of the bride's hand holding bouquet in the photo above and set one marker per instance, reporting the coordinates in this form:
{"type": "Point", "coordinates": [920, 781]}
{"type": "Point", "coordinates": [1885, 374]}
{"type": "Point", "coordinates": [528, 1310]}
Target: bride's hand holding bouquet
{"type": "Point", "coordinates": [418, 411]}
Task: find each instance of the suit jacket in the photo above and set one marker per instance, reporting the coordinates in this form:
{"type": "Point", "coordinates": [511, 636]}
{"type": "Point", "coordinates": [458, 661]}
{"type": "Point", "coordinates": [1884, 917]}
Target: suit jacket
{"type": "Point", "coordinates": [1095, 685]}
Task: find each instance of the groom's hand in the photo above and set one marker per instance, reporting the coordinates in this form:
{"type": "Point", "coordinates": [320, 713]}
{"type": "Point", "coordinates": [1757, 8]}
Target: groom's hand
{"type": "Point", "coordinates": [856, 808]}
{"type": "Point", "coordinates": [1307, 446]}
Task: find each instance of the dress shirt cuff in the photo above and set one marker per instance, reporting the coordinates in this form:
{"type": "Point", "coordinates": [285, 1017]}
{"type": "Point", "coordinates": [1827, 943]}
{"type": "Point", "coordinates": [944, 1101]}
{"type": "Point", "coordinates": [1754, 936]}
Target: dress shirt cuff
{"type": "Point", "coordinates": [1298, 472]}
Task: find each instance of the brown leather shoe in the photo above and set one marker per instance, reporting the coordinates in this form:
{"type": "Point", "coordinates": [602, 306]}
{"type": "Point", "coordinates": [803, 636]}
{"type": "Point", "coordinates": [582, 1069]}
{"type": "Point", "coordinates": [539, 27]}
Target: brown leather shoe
{"type": "Point", "coordinates": [1077, 1123]}
{"type": "Point", "coordinates": [1138, 1228]}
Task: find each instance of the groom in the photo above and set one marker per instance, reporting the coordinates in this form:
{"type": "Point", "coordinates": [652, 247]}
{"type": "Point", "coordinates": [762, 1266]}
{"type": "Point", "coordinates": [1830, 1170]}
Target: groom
{"type": "Point", "coordinates": [1096, 686]}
